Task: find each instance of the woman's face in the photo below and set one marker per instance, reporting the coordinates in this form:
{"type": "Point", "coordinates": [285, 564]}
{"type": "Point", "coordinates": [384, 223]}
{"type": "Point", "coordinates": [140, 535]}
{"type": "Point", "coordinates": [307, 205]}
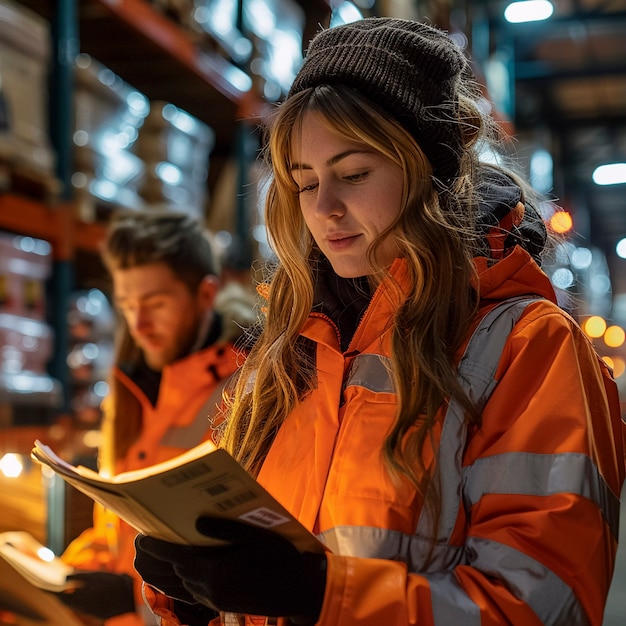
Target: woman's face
{"type": "Point", "coordinates": [348, 195]}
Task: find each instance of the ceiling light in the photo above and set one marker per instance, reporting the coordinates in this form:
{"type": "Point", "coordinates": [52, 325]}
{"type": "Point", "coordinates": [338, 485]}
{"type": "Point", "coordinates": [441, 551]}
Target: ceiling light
{"type": "Point", "coordinates": [610, 174]}
{"type": "Point", "coordinates": [528, 11]}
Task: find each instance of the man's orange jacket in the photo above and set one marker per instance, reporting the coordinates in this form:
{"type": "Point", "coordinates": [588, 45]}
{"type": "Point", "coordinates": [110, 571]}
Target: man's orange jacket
{"type": "Point", "coordinates": [178, 422]}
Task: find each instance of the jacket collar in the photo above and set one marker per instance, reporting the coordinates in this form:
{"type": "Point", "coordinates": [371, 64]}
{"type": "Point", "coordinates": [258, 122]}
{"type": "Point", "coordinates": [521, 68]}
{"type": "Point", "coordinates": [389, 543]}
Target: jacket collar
{"type": "Point", "coordinates": [515, 275]}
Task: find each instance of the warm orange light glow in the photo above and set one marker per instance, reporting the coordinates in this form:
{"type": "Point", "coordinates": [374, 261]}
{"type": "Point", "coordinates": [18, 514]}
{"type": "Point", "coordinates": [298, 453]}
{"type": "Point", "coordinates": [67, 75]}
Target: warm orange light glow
{"type": "Point", "coordinates": [609, 361]}
{"type": "Point", "coordinates": [11, 465]}
{"type": "Point", "coordinates": [594, 326]}
{"type": "Point", "coordinates": [561, 222]}
{"type": "Point", "coordinates": [618, 366]}
{"type": "Point", "coordinates": [614, 336]}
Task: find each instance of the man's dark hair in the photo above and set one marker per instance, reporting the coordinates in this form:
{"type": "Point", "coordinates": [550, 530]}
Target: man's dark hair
{"type": "Point", "coordinates": [175, 239]}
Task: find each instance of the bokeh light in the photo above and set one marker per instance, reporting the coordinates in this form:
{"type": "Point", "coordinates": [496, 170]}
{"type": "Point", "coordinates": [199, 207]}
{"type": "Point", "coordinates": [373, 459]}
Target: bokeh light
{"type": "Point", "coordinates": [614, 336]}
{"type": "Point", "coordinates": [11, 465]}
{"type": "Point", "coordinates": [561, 222]}
{"type": "Point", "coordinates": [619, 366]}
{"type": "Point", "coordinates": [594, 326]}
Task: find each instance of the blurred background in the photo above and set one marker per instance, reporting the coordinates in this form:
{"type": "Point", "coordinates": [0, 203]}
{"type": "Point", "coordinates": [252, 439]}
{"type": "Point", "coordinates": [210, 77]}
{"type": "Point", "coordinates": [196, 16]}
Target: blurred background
{"type": "Point", "coordinates": [137, 104]}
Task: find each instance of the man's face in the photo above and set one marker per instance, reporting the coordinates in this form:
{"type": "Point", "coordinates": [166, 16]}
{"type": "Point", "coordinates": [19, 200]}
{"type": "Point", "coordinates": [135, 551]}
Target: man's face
{"type": "Point", "coordinates": [162, 315]}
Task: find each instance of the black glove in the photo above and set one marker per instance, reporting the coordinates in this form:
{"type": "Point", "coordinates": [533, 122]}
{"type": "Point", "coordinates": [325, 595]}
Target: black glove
{"type": "Point", "coordinates": [163, 578]}
{"type": "Point", "coordinates": [159, 573]}
{"type": "Point", "coordinates": [257, 572]}
{"type": "Point", "coordinates": [99, 594]}
{"type": "Point", "coordinates": [499, 195]}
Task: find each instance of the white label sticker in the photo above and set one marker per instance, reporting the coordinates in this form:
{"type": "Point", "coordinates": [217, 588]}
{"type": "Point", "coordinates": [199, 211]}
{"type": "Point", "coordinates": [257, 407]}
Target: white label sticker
{"type": "Point", "coordinates": [266, 518]}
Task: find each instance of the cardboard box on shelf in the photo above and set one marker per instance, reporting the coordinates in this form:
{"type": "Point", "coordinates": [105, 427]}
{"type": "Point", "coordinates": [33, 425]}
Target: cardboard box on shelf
{"type": "Point", "coordinates": [173, 135]}
{"type": "Point", "coordinates": [25, 265]}
{"type": "Point", "coordinates": [107, 115]}
{"type": "Point", "coordinates": [24, 59]}
{"type": "Point", "coordinates": [106, 108]}
{"type": "Point", "coordinates": [175, 147]}
{"type": "Point", "coordinates": [25, 344]}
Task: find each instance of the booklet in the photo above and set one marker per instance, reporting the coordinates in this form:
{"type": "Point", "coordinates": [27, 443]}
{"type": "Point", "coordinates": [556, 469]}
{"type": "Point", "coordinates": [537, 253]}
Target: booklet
{"type": "Point", "coordinates": [166, 499]}
{"type": "Point", "coordinates": [34, 561]}
{"type": "Point", "coordinates": [25, 580]}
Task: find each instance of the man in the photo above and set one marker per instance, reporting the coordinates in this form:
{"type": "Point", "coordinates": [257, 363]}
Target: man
{"type": "Point", "coordinates": [175, 352]}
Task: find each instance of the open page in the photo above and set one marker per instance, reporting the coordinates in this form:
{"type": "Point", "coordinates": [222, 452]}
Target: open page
{"type": "Point", "coordinates": [165, 501]}
{"type": "Point", "coordinates": [47, 456]}
{"type": "Point", "coordinates": [34, 561]}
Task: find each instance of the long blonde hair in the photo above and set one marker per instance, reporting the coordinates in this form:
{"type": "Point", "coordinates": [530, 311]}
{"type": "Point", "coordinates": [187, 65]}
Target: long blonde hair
{"type": "Point", "coordinates": [434, 234]}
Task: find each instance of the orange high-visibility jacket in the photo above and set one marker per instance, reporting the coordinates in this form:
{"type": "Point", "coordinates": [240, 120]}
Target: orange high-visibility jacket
{"type": "Point", "coordinates": [189, 391]}
{"type": "Point", "coordinates": [527, 532]}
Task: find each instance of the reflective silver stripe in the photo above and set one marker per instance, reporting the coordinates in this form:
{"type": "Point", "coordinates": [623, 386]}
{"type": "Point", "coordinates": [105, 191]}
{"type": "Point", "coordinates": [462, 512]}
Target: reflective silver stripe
{"type": "Point", "coordinates": [229, 619]}
{"type": "Point", "coordinates": [451, 604]}
{"type": "Point", "coordinates": [541, 475]}
{"type": "Point", "coordinates": [192, 434]}
{"type": "Point", "coordinates": [548, 596]}
{"type": "Point", "coordinates": [371, 371]}
{"type": "Point", "coordinates": [420, 555]}
{"type": "Point", "coordinates": [477, 375]}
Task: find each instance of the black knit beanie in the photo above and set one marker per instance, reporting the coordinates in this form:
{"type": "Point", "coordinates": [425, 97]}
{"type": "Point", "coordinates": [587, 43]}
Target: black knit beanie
{"type": "Point", "coordinates": [407, 68]}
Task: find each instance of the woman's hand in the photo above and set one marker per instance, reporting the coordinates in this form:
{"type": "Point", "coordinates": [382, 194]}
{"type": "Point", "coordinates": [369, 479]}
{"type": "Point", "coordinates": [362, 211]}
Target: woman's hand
{"type": "Point", "coordinates": [99, 594]}
{"type": "Point", "coordinates": [255, 571]}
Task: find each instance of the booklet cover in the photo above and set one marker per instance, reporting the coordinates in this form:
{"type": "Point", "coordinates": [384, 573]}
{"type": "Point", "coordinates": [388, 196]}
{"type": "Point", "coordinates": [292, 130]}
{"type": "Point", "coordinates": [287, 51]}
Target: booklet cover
{"type": "Point", "coordinates": [166, 499]}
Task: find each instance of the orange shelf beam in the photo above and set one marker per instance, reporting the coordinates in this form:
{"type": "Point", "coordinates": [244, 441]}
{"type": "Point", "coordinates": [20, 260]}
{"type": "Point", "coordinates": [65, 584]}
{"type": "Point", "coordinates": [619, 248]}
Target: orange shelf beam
{"type": "Point", "coordinates": [167, 35]}
{"type": "Point", "coordinates": [57, 225]}
{"type": "Point", "coordinates": [29, 217]}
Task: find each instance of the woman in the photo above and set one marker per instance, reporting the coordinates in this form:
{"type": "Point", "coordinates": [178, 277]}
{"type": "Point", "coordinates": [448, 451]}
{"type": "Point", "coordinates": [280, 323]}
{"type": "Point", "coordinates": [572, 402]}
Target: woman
{"type": "Point", "coordinates": [437, 506]}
